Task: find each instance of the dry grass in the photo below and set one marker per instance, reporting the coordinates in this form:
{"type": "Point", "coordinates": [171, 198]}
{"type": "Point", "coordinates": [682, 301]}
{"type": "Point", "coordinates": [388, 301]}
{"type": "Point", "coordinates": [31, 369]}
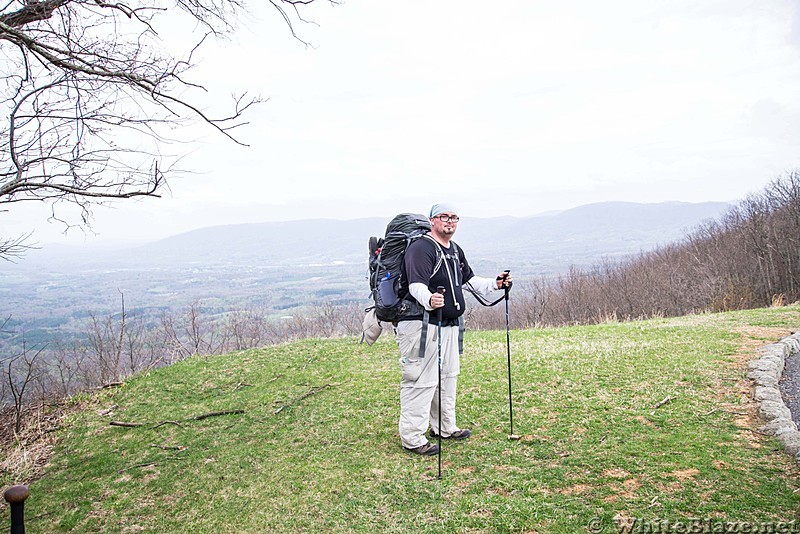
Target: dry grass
{"type": "Point", "coordinates": [25, 454]}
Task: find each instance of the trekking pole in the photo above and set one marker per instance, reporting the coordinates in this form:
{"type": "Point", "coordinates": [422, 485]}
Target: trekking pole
{"type": "Point", "coordinates": [15, 496]}
{"type": "Point", "coordinates": [440, 290]}
{"type": "Point", "coordinates": [511, 436]}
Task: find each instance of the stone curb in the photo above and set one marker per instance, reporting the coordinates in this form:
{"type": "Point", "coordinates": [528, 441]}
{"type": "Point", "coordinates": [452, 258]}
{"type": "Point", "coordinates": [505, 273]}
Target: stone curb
{"type": "Point", "coordinates": [765, 373]}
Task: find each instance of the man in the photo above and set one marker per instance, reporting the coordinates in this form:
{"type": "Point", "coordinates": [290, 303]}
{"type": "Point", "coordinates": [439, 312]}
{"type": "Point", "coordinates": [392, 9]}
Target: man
{"type": "Point", "coordinates": [430, 262]}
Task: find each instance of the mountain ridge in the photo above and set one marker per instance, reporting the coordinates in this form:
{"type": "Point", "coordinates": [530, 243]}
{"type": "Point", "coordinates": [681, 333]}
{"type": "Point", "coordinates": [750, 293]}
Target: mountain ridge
{"type": "Point", "coordinates": [284, 265]}
{"type": "Point", "coordinates": [621, 223]}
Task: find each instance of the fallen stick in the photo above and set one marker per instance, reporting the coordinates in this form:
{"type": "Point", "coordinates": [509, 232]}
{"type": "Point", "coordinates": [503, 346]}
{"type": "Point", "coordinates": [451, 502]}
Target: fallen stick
{"type": "Point", "coordinates": [302, 397]}
{"type": "Point", "coordinates": [108, 410]}
{"type": "Point", "coordinates": [213, 414]}
{"type": "Point", "coordinates": [169, 447]}
{"type": "Point", "coordinates": [144, 464]}
{"type": "Point", "coordinates": [177, 423]}
{"type": "Point", "coordinates": [162, 423]}
{"type": "Point", "coordinates": [667, 399]}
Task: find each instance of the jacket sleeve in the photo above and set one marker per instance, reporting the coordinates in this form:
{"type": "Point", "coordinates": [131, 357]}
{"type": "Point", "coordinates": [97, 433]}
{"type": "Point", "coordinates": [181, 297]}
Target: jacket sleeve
{"type": "Point", "coordinates": [483, 286]}
{"type": "Point", "coordinates": [420, 292]}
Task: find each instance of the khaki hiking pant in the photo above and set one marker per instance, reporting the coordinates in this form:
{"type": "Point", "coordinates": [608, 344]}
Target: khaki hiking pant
{"type": "Point", "coordinates": [419, 397]}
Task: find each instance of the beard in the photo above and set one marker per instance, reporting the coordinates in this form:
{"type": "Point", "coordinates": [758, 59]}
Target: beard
{"type": "Point", "coordinates": [448, 232]}
{"type": "Point", "coordinates": [443, 232]}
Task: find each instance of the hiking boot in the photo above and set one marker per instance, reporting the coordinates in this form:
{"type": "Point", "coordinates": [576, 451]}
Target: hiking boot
{"type": "Point", "coordinates": [458, 434]}
{"type": "Point", "coordinates": [429, 449]}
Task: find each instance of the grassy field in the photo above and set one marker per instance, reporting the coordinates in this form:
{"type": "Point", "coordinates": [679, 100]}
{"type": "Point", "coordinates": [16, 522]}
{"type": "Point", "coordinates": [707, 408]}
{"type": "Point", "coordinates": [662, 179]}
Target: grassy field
{"type": "Point", "coordinates": [646, 420]}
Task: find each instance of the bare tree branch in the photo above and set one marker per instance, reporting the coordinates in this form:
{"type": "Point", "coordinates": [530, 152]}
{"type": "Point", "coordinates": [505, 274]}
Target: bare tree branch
{"type": "Point", "coordinates": [91, 97]}
{"type": "Point", "coordinates": [15, 248]}
{"type": "Point", "coordinates": [31, 12]}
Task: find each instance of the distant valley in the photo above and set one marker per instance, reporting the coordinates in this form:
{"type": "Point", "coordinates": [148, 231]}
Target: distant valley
{"type": "Point", "coordinates": [286, 266]}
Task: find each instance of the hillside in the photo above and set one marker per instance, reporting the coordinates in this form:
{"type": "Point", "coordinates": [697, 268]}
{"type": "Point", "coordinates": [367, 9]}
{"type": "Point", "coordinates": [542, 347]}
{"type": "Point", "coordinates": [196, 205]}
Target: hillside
{"type": "Point", "coordinates": [650, 420]}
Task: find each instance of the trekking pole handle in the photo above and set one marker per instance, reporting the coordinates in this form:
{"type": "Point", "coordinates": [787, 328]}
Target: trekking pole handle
{"type": "Point", "coordinates": [15, 496]}
{"type": "Point", "coordinates": [504, 278]}
{"type": "Point", "coordinates": [440, 290]}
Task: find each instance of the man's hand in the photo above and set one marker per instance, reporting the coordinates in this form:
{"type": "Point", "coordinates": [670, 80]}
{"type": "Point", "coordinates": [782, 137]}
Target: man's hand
{"type": "Point", "coordinates": [504, 280]}
{"type": "Point", "coordinates": [437, 300]}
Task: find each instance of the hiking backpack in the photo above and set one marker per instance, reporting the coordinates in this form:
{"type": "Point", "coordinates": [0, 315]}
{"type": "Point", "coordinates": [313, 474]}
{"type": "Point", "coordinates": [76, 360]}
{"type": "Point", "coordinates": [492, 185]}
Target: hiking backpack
{"type": "Point", "coordinates": [388, 286]}
{"type": "Point", "coordinates": [386, 282]}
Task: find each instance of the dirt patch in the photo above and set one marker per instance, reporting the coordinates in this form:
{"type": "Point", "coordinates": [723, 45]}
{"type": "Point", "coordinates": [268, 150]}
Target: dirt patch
{"type": "Point", "coordinates": [745, 408]}
{"type": "Point", "coordinates": [481, 512]}
{"type": "Point", "coordinates": [577, 489]}
{"type": "Point", "coordinates": [626, 491]}
{"type": "Point", "coordinates": [503, 492]}
{"type": "Point", "coordinates": [644, 420]}
{"type": "Point", "coordinates": [631, 485]}
{"type": "Point", "coordinates": [755, 337]}
{"type": "Point", "coordinates": [685, 474]}
{"type": "Point", "coordinates": [616, 473]}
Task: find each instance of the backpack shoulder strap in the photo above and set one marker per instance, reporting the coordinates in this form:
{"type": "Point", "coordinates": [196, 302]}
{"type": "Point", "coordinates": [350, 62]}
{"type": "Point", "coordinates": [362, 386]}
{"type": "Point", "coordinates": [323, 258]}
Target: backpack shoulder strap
{"type": "Point", "coordinates": [439, 254]}
{"type": "Point", "coordinates": [456, 250]}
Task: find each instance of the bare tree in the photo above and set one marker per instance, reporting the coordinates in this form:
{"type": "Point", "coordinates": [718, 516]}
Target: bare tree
{"type": "Point", "coordinates": [185, 335]}
{"type": "Point", "coordinates": [20, 372]}
{"type": "Point", "coordinates": [92, 95]}
{"type": "Point", "coordinates": [245, 329]}
{"type": "Point", "coordinates": [326, 316]}
{"type": "Point", "coordinates": [350, 318]}
{"type": "Point", "coordinates": [106, 344]}
{"type": "Point", "coordinates": [67, 367]}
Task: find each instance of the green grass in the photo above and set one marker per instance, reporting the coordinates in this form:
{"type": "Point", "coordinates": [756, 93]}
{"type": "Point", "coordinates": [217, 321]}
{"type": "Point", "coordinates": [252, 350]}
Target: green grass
{"type": "Point", "coordinates": [593, 444]}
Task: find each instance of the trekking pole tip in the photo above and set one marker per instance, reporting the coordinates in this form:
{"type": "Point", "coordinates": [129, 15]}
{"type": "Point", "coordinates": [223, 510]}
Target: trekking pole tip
{"type": "Point", "coordinates": [513, 437]}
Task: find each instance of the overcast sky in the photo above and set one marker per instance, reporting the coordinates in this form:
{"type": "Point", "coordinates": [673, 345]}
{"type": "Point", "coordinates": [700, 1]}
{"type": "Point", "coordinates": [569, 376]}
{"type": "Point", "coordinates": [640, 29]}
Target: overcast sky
{"type": "Point", "coordinates": [511, 108]}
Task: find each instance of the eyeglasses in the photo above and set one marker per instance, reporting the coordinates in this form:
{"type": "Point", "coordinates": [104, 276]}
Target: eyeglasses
{"type": "Point", "coordinates": [448, 218]}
